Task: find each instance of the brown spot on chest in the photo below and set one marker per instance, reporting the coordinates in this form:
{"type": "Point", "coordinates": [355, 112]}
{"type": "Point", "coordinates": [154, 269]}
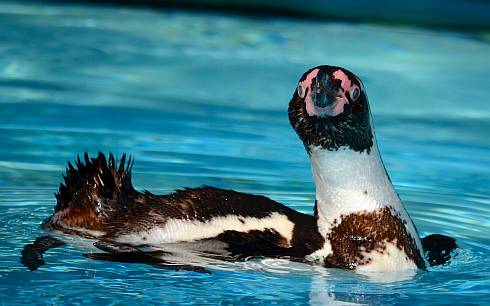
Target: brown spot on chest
{"type": "Point", "coordinates": [365, 232]}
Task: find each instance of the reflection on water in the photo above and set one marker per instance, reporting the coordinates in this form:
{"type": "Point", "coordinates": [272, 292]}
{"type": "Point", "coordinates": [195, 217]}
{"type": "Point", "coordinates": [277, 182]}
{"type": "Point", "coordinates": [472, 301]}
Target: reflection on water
{"type": "Point", "coordinates": [201, 99]}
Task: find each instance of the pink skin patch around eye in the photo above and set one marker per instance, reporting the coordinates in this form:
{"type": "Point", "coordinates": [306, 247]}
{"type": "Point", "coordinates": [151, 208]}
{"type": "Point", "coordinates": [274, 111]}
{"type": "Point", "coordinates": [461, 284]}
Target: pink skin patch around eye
{"type": "Point", "coordinates": [341, 99]}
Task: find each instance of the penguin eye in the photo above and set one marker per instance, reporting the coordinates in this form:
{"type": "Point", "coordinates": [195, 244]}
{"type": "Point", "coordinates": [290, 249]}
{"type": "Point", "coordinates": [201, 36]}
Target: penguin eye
{"type": "Point", "coordinates": [355, 93]}
{"type": "Point", "coordinates": [301, 91]}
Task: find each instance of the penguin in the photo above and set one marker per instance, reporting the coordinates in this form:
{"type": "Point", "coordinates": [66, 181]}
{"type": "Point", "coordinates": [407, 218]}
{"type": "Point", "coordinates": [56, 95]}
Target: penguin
{"type": "Point", "coordinates": [359, 221]}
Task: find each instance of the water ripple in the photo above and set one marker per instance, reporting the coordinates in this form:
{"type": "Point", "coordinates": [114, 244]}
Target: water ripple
{"type": "Point", "coordinates": [201, 99]}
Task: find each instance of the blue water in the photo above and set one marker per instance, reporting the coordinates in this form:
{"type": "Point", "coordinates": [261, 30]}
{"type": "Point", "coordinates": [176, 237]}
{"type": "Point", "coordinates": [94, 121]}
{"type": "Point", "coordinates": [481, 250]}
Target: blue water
{"type": "Point", "coordinates": [201, 99]}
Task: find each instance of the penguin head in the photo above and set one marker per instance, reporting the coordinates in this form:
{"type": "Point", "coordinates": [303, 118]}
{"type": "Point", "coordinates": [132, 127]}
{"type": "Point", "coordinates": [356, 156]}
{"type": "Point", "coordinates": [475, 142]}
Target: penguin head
{"type": "Point", "coordinates": [330, 110]}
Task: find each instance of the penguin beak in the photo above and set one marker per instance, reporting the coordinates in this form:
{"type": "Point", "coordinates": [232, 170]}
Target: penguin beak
{"type": "Point", "coordinates": [324, 93]}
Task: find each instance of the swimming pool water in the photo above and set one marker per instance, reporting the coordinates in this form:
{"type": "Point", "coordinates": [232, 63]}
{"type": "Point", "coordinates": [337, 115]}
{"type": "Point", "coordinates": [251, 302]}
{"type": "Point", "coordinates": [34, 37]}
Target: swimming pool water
{"type": "Point", "coordinates": [201, 99]}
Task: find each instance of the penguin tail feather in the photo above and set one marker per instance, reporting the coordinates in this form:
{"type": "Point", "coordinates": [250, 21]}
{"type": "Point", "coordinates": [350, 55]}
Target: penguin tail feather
{"type": "Point", "coordinates": [91, 192]}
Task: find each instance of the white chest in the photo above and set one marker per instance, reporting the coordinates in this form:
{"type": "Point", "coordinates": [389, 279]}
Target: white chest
{"type": "Point", "coordinates": [349, 183]}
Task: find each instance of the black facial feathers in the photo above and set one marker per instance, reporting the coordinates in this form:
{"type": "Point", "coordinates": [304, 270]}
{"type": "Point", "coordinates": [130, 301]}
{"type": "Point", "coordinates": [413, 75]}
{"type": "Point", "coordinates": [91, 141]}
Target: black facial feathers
{"type": "Point", "coordinates": [351, 128]}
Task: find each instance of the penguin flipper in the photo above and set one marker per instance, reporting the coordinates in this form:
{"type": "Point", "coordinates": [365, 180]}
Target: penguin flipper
{"type": "Point", "coordinates": [438, 248]}
{"type": "Point", "coordinates": [32, 253]}
{"type": "Point", "coordinates": [129, 254]}
{"type": "Point", "coordinates": [148, 258]}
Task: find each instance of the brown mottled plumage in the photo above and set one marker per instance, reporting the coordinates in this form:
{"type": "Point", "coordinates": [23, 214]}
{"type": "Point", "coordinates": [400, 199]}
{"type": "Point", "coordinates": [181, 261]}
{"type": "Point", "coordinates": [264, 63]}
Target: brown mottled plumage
{"type": "Point", "coordinates": [364, 232]}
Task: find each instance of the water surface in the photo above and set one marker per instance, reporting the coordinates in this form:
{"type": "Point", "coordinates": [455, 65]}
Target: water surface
{"type": "Point", "coordinates": [201, 99]}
